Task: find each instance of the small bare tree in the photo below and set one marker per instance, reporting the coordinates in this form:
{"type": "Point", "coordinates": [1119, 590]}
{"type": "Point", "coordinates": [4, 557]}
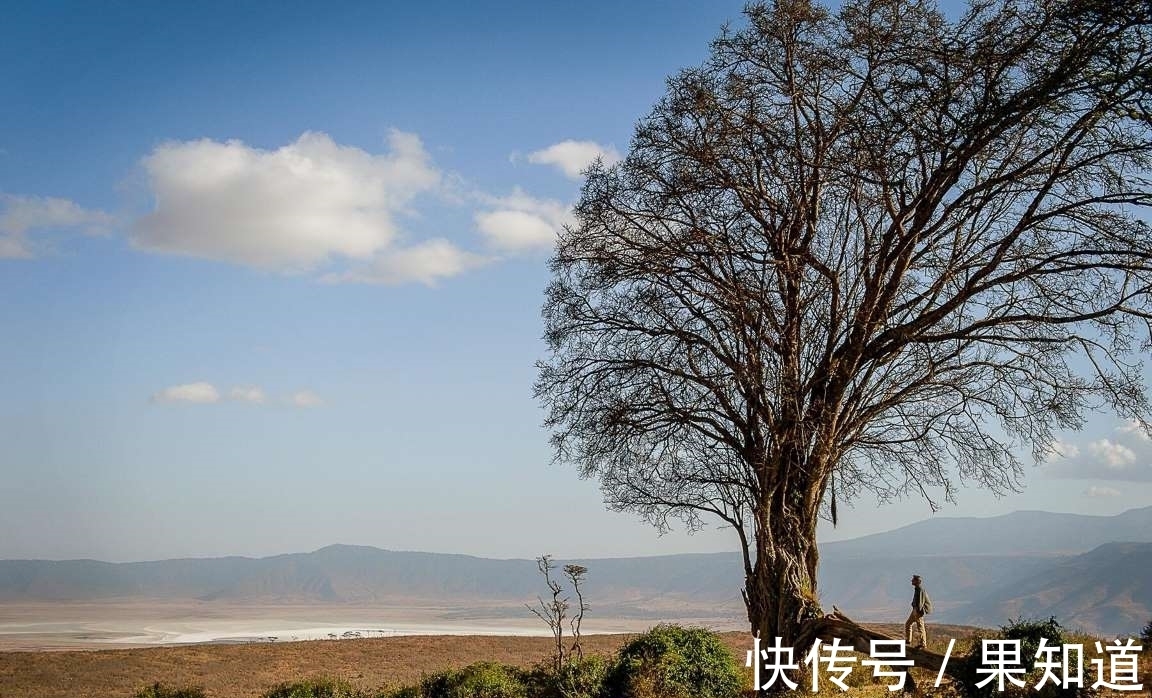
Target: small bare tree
{"type": "Point", "coordinates": [552, 612]}
{"type": "Point", "coordinates": [575, 575]}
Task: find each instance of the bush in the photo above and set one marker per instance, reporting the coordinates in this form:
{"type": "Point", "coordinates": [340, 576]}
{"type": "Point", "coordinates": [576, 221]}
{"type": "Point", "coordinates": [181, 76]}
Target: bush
{"type": "Point", "coordinates": [1029, 633]}
{"type": "Point", "coordinates": [480, 680]}
{"type": "Point", "coordinates": [1146, 635]}
{"type": "Point", "coordinates": [315, 688]}
{"type": "Point", "coordinates": [670, 661]}
{"type": "Point", "coordinates": [579, 678]}
{"type": "Point", "coordinates": [159, 690]}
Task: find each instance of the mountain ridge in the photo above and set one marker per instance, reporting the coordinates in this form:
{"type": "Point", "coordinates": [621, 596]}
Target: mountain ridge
{"type": "Point", "coordinates": [866, 576]}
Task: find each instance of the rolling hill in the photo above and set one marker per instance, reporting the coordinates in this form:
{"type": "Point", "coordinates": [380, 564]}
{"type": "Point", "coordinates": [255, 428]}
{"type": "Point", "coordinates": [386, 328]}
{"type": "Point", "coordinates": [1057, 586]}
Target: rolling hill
{"type": "Point", "coordinates": [1108, 587]}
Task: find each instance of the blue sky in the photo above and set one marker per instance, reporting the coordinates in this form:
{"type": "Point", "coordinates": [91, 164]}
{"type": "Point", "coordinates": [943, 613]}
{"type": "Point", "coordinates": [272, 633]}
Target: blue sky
{"type": "Point", "coordinates": [270, 277]}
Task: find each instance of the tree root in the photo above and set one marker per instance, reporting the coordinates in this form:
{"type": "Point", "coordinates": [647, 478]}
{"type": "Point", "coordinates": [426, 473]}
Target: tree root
{"type": "Point", "coordinates": [838, 625]}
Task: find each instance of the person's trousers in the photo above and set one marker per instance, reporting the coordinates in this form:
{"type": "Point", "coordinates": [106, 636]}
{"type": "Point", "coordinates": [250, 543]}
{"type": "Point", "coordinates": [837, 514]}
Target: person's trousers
{"type": "Point", "coordinates": [915, 621]}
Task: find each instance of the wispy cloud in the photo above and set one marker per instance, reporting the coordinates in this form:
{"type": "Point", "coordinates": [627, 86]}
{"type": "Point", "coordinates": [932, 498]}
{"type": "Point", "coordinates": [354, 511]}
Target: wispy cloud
{"type": "Point", "coordinates": [1097, 492]}
{"type": "Point", "coordinates": [21, 215]}
{"type": "Point", "coordinates": [305, 398]}
{"type": "Point", "coordinates": [1125, 454]}
{"type": "Point", "coordinates": [197, 393]}
{"type": "Point", "coordinates": [204, 393]}
{"type": "Point", "coordinates": [1132, 429]}
{"type": "Point", "coordinates": [252, 394]}
{"type": "Point", "coordinates": [574, 157]}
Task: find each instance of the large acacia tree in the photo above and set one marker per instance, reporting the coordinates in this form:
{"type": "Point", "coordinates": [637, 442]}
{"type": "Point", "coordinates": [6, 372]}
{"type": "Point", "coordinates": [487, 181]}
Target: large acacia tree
{"type": "Point", "coordinates": [871, 250]}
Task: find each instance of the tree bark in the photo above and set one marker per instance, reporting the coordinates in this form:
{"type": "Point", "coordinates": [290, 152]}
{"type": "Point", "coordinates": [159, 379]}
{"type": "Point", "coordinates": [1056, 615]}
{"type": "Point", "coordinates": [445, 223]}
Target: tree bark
{"type": "Point", "coordinates": [780, 593]}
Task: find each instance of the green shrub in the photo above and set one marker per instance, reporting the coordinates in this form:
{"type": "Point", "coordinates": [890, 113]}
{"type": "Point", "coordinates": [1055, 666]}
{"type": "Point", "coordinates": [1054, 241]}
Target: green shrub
{"type": "Point", "coordinates": [583, 678]}
{"type": "Point", "coordinates": [315, 688]}
{"type": "Point", "coordinates": [406, 692]}
{"type": "Point", "coordinates": [159, 690]}
{"type": "Point", "coordinates": [579, 678]}
{"type": "Point", "coordinates": [670, 661]}
{"type": "Point", "coordinates": [479, 680]}
{"type": "Point", "coordinates": [1029, 633]}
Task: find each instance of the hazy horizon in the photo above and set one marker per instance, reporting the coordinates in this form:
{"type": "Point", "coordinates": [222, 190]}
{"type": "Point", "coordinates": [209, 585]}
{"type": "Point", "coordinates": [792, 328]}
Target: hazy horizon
{"type": "Point", "coordinates": [571, 557]}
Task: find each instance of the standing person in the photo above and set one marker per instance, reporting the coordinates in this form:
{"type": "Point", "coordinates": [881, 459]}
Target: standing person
{"type": "Point", "coordinates": [921, 606]}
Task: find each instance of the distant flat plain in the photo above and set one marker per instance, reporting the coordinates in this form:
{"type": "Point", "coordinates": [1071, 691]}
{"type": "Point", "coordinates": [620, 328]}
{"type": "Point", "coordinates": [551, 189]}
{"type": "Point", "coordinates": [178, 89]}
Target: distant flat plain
{"type": "Point", "coordinates": [113, 648]}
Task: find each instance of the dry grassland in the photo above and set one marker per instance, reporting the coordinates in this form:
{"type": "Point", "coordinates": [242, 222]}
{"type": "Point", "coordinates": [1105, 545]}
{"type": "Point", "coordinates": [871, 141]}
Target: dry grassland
{"type": "Point", "coordinates": [248, 670]}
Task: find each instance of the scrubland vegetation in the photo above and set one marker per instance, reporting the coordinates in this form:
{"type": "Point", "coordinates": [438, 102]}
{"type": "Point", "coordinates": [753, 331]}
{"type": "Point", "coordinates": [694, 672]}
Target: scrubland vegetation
{"type": "Point", "coordinates": [668, 661]}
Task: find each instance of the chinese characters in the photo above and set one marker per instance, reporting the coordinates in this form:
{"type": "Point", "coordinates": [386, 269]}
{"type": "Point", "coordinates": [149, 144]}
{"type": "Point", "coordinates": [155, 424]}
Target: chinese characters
{"type": "Point", "coordinates": [1115, 667]}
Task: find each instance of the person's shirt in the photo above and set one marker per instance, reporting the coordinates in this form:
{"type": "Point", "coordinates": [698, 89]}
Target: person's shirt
{"type": "Point", "coordinates": [918, 600]}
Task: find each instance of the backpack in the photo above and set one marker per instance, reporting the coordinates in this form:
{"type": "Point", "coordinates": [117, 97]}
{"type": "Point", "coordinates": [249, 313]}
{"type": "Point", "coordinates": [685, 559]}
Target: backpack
{"type": "Point", "coordinates": [926, 601]}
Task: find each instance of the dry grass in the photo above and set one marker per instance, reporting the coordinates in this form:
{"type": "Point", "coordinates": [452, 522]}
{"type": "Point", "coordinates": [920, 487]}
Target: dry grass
{"type": "Point", "coordinates": [243, 671]}
{"type": "Point", "coordinates": [240, 671]}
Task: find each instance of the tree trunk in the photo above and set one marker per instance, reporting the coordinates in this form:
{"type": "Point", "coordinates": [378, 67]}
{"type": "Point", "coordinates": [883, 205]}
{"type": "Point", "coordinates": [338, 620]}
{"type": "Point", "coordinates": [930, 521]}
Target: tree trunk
{"type": "Point", "coordinates": [780, 594]}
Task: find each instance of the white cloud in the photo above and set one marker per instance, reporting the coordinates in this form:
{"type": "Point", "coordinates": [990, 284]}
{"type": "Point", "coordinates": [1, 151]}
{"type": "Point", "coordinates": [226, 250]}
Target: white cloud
{"type": "Point", "coordinates": [1095, 492]}
{"type": "Point", "coordinates": [1126, 455]}
{"type": "Point", "coordinates": [206, 393]}
{"type": "Point", "coordinates": [250, 393]}
{"type": "Point", "coordinates": [573, 157]}
{"type": "Point", "coordinates": [20, 215]}
{"type": "Point", "coordinates": [1133, 429]}
{"type": "Point", "coordinates": [425, 263]}
{"type": "Point", "coordinates": [1061, 450]}
{"type": "Point", "coordinates": [291, 209]}
{"type": "Point", "coordinates": [14, 247]}
{"type": "Point", "coordinates": [199, 393]}
{"type": "Point", "coordinates": [520, 223]}
{"type": "Point", "coordinates": [305, 398]}
{"type": "Point", "coordinates": [1113, 455]}
{"type": "Point", "coordinates": [314, 206]}
{"type": "Point", "coordinates": [515, 230]}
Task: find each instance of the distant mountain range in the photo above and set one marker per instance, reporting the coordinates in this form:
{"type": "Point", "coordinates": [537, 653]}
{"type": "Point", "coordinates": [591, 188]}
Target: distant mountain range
{"type": "Point", "coordinates": [1018, 533]}
{"type": "Point", "coordinates": [1091, 572]}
